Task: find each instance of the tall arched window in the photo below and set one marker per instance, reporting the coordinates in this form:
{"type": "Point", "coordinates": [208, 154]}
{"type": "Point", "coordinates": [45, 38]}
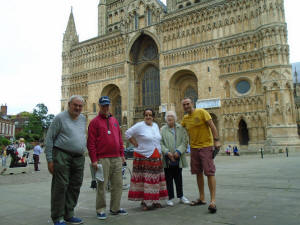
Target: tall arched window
{"type": "Point", "coordinates": [149, 17]}
{"type": "Point", "coordinates": [191, 93]}
{"type": "Point", "coordinates": [136, 21]}
{"type": "Point", "coordinates": [118, 109]}
{"type": "Point", "coordinates": [151, 87]}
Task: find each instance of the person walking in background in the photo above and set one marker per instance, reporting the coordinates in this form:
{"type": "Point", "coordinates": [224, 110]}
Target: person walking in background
{"type": "Point", "coordinates": [147, 183]}
{"type": "Point", "coordinates": [173, 146]}
{"type": "Point", "coordinates": [105, 146]}
{"type": "Point", "coordinates": [203, 138]}
{"type": "Point", "coordinates": [37, 150]}
{"type": "Point", "coordinates": [236, 151]}
{"type": "Point", "coordinates": [65, 146]}
{"type": "Point", "coordinates": [3, 156]}
{"type": "Point", "coordinates": [228, 150]}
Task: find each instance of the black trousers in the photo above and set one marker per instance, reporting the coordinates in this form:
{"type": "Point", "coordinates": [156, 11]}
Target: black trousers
{"type": "Point", "coordinates": [36, 159]}
{"type": "Point", "coordinates": [174, 173]}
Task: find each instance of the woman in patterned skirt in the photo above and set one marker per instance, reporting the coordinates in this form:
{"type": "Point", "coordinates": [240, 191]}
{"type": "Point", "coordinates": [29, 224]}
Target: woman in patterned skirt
{"type": "Point", "coordinates": [148, 183]}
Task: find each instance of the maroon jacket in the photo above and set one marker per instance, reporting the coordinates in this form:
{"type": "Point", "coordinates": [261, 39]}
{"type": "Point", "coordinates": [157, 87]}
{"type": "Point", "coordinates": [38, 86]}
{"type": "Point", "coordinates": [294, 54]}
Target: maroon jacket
{"type": "Point", "coordinates": [100, 143]}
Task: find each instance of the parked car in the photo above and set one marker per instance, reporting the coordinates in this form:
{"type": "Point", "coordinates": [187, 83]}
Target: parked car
{"type": "Point", "coordinates": [128, 152]}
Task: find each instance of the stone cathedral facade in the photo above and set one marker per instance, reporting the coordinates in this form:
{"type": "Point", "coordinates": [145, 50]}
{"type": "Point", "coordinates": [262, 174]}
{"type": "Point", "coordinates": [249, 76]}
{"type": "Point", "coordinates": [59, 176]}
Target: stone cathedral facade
{"type": "Point", "coordinates": [230, 56]}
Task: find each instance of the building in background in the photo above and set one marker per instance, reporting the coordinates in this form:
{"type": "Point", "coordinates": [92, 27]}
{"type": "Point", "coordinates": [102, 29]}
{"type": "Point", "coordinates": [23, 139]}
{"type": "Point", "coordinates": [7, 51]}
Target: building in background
{"type": "Point", "coordinates": [7, 126]}
{"type": "Point", "coordinates": [20, 120]}
{"type": "Point", "coordinates": [230, 56]}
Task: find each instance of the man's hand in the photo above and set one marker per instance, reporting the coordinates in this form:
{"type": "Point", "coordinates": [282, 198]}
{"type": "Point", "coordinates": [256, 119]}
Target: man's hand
{"type": "Point", "coordinates": [217, 144]}
{"type": "Point", "coordinates": [94, 165]}
{"type": "Point", "coordinates": [50, 167]}
{"type": "Point", "coordinates": [171, 157]}
{"type": "Point", "coordinates": [176, 155]}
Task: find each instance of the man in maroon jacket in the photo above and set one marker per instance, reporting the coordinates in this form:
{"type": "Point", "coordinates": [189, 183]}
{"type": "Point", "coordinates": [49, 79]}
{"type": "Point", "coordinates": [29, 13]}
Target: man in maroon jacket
{"type": "Point", "coordinates": [105, 147]}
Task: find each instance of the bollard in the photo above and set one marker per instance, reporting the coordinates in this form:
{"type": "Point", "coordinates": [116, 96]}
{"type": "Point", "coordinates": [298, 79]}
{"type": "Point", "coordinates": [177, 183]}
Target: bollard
{"type": "Point", "coordinates": [287, 152]}
{"type": "Point", "coordinates": [262, 153]}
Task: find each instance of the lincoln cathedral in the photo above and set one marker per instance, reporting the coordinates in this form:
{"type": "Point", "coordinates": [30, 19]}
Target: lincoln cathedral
{"type": "Point", "coordinates": [230, 57]}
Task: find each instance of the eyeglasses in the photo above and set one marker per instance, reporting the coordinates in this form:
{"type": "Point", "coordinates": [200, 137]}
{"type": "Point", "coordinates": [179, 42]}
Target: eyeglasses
{"type": "Point", "coordinates": [76, 105]}
{"type": "Point", "coordinates": [150, 115]}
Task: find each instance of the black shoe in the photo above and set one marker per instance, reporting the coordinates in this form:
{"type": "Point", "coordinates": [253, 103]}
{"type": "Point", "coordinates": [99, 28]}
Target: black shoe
{"type": "Point", "coordinates": [212, 208]}
{"type": "Point", "coordinates": [93, 184]}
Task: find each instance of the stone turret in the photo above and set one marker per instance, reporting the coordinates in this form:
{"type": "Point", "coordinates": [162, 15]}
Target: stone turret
{"type": "Point", "coordinates": [102, 20]}
{"type": "Point", "coordinates": [171, 5]}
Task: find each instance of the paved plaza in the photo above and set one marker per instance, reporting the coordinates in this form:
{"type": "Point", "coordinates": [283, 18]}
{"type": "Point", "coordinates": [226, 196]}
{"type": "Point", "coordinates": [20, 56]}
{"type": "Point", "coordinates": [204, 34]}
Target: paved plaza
{"type": "Point", "coordinates": [250, 190]}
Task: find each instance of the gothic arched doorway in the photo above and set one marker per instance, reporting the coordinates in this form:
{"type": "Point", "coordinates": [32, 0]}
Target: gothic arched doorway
{"type": "Point", "coordinates": [184, 83]}
{"type": "Point", "coordinates": [113, 92]}
{"type": "Point", "coordinates": [243, 133]}
{"type": "Point", "coordinates": [145, 75]}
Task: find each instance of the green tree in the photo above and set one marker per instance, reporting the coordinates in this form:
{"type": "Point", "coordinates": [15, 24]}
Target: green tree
{"type": "Point", "coordinates": [39, 122]}
{"type": "Point", "coordinates": [4, 141]}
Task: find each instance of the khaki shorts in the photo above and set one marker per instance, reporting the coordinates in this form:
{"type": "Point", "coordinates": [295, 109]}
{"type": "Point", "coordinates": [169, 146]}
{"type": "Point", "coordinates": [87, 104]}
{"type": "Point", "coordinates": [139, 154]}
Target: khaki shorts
{"type": "Point", "coordinates": [201, 160]}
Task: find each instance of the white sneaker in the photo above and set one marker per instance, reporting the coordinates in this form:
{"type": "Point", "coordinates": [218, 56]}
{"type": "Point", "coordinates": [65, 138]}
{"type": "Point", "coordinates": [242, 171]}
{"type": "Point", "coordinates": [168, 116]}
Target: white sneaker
{"type": "Point", "coordinates": [170, 203]}
{"type": "Point", "coordinates": [184, 200]}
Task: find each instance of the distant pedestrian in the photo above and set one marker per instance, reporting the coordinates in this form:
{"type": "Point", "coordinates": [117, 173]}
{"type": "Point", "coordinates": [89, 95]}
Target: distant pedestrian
{"type": "Point", "coordinates": [37, 150]}
{"type": "Point", "coordinates": [228, 150]}
{"type": "Point", "coordinates": [65, 146]}
{"type": "Point", "coordinates": [21, 149]}
{"type": "Point", "coordinates": [105, 146]}
{"type": "Point", "coordinates": [148, 183]}
{"type": "Point", "coordinates": [174, 145]}
{"type": "Point", "coordinates": [3, 156]}
{"type": "Point", "coordinates": [203, 137]}
{"type": "Point", "coordinates": [236, 151]}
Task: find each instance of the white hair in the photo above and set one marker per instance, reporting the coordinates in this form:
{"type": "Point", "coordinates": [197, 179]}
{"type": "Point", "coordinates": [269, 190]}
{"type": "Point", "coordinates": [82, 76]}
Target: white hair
{"type": "Point", "coordinates": [171, 113]}
{"type": "Point", "coordinates": [79, 97]}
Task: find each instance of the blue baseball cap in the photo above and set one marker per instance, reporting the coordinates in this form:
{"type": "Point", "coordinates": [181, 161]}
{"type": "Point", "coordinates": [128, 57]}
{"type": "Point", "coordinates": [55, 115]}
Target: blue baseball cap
{"type": "Point", "coordinates": [104, 100]}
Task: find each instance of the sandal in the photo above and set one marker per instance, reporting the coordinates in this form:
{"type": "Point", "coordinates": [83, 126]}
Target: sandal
{"type": "Point", "coordinates": [197, 202]}
{"type": "Point", "coordinates": [145, 207]}
{"type": "Point", "coordinates": [212, 208]}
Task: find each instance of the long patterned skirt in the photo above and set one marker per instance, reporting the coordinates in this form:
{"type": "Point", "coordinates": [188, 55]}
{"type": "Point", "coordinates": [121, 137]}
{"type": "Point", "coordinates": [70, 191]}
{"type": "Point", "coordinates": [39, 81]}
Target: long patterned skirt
{"type": "Point", "coordinates": [148, 183]}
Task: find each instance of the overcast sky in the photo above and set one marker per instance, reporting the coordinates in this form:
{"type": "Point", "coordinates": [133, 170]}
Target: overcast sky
{"type": "Point", "coordinates": [31, 45]}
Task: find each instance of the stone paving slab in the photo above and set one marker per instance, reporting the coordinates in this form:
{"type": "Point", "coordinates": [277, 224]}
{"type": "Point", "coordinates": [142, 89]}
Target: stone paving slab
{"type": "Point", "coordinates": [250, 190]}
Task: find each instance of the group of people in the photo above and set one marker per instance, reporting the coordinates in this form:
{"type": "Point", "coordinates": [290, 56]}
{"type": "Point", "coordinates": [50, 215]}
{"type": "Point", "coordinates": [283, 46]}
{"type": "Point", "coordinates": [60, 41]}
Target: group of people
{"type": "Point", "coordinates": [17, 151]}
{"type": "Point", "coordinates": [234, 150]}
{"type": "Point", "coordinates": [159, 157]}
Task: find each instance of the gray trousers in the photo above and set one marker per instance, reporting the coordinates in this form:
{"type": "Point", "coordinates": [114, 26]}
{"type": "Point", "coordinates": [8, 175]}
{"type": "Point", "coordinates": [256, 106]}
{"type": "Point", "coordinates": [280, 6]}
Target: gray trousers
{"type": "Point", "coordinates": [66, 182]}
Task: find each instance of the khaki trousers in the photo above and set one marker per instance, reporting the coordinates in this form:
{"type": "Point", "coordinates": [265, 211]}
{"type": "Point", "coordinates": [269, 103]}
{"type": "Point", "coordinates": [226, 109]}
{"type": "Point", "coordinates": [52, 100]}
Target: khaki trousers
{"type": "Point", "coordinates": [112, 171]}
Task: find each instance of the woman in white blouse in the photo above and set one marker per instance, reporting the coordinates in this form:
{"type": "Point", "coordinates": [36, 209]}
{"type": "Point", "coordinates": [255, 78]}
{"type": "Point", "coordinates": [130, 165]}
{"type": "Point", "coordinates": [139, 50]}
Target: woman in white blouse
{"type": "Point", "coordinates": [148, 183]}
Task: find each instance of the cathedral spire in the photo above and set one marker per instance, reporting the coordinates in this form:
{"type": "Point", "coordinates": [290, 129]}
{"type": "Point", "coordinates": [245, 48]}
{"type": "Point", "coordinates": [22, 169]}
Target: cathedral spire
{"type": "Point", "coordinates": [70, 35]}
{"type": "Point", "coordinates": [296, 75]}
